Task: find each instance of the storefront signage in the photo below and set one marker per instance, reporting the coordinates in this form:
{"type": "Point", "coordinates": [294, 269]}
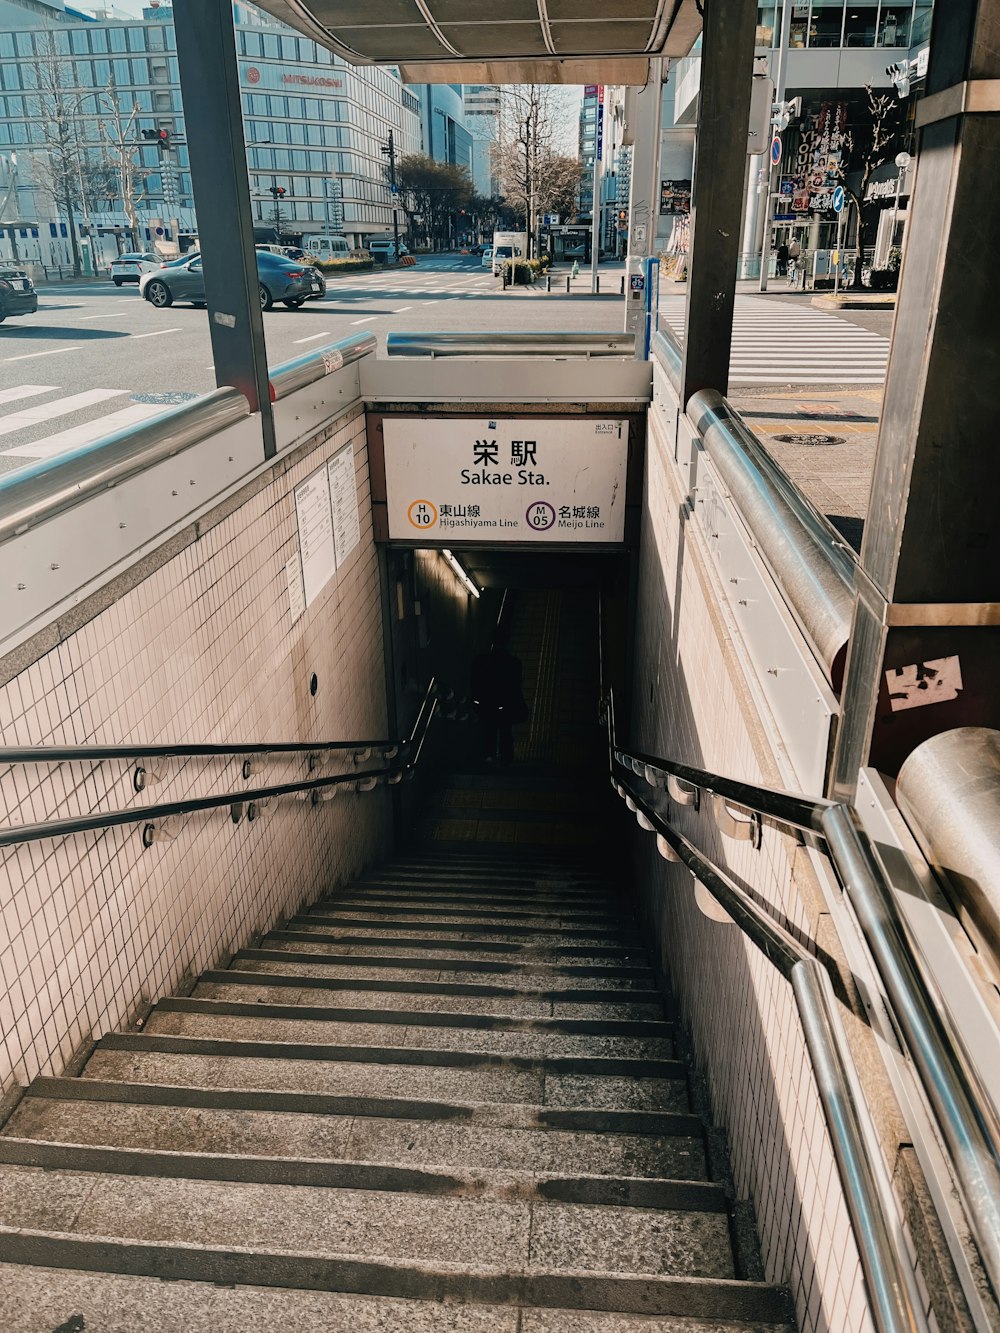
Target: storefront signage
{"type": "Point", "coordinates": [524, 480]}
{"type": "Point", "coordinates": [312, 80]}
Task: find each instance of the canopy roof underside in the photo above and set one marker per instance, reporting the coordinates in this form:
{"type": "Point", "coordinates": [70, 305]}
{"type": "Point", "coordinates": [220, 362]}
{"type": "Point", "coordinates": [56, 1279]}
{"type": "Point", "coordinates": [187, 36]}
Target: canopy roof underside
{"type": "Point", "coordinates": [522, 41]}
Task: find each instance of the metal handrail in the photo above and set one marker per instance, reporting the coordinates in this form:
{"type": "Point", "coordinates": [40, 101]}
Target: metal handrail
{"type": "Point", "coordinates": [892, 1290]}
{"type": "Point", "coordinates": [531, 344]}
{"type": "Point", "coordinates": [961, 1110]}
{"type": "Point", "coordinates": [149, 814]}
{"type": "Point", "coordinates": [813, 570]}
{"type": "Point", "coordinates": [39, 492]}
{"type": "Point", "coordinates": [313, 365]}
{"type": "Point", "coordinates": [61, 754]}
{"type": "Point", "coordinates": [667, 350]}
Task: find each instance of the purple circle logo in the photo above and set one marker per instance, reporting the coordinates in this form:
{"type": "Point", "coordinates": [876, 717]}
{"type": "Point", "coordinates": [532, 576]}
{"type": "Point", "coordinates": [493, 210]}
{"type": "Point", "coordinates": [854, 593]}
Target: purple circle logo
{"type": "Point", "coordinates": [540, 515]}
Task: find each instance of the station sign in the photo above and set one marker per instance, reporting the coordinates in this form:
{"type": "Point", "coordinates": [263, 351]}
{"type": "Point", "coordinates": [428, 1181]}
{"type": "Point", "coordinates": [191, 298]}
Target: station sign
{"type": "Point", "coordinates": [534, 480]}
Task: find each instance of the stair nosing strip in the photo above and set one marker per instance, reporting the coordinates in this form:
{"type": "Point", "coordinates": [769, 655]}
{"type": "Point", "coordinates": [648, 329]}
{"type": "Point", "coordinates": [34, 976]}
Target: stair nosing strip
{"type": "Point", "coordinates": [697, 1196]}
{"type": "Point", "coordinates": [638, 1293]}
{"type": "Point", "coordinates": [512, 1115]}
{"type": "Point", "coordinates": [332, 1053]}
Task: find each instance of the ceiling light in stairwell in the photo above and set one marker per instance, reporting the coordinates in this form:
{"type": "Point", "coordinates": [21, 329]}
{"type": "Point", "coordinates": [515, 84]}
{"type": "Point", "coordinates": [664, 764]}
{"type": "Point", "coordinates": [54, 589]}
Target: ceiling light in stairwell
{"type": "Point", "coordinates": [461, 573]}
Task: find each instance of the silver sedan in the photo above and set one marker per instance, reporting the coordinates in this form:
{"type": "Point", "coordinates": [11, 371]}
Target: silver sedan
{"type": "Point", "coordinates": [279, 279]}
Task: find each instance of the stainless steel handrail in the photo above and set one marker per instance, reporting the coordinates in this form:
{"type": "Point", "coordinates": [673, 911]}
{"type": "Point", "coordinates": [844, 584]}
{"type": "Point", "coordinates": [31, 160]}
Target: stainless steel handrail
{"type": "Point", "coordinates": [61, 754]}
{"type": "Point", "coordinates": [814, 572]}
{"type": "Point", "coordinates": [962, 1111]}
{"type": "Point", "coordinates": [892, 1290]}
{"type": "Point", "coordinates": [37, 493]}
{"type": "Point", "coordinates": [320, 361]}
{"type": "Point", "coordinates": [511, 344]}
{"type": "Point", "coordinates": [148, 814]}
{"type": "Point", "coordinates": [667, 350]}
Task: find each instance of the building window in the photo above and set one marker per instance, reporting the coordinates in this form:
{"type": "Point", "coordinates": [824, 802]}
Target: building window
{"type": "Point", "coordinates": [894, 25]}
{"type": "Point", "coordinates": [859, 23]}
{"type": "Point", "coordinates": [826, 27]}
{"type": "Point", "coordinates": [921, 21]}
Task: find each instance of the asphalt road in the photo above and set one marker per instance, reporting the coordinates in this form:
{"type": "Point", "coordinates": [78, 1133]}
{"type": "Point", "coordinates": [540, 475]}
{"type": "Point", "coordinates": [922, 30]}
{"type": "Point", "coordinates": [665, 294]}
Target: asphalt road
{"type": "Point", "coordinates": [95, 355]}
{"type": "Point", "coordinates": [96, 358]}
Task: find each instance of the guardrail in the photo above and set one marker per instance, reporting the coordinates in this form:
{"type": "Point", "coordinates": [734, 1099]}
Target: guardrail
{"type": "Point", "coordinates": [812, 568]}
{"type": "Point", "coordinates": [313, 365]}
{"type": "Point", "coordinates": [36, 493]}
{"type": "Point", "coordinates": [667, 350]}
{"type": "Point", "coordinates": [511, 344]}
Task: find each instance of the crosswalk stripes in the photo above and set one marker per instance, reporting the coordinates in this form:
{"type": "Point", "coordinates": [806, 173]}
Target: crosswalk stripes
{"type": "Point", "coordinates": [33, 424]}
{"type": "Point", "coordinates": [775, 342]}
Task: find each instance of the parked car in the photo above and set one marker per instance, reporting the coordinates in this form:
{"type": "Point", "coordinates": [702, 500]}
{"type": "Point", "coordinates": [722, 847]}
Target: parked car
{"type": "Point", "coordinates": [328, 247]}
{"type": "Point", "coordinates": [17, 293]}
{"type": "Point", "coordinates": [131, 267]}
{"type": "Point", "coordinates": [279, 279]}
{"type": "Point", "coordinates": [487, 259]}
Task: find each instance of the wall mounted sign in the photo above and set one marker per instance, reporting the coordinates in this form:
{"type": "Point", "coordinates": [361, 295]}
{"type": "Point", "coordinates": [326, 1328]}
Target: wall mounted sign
{"type": "Point", "coordinates": [543, 480]}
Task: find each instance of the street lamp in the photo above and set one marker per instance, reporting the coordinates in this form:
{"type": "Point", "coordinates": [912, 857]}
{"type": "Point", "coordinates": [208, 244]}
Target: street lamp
{"type": "Point", "coordinates": [903, 161]}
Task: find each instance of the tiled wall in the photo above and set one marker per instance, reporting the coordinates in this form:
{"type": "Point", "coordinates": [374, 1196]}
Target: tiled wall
{"type": "Point", "coordinates": [201, 649]}
{"type": "Point", "coordinates": [742, 1015]}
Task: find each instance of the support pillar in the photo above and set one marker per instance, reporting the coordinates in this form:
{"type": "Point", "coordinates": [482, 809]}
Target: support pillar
{"type": "Point", "coordinates": [925, 643]}
{"type": "Point", "coordinates": [717, 193]}
{"type": "Point", "coordinates": [209, 74]}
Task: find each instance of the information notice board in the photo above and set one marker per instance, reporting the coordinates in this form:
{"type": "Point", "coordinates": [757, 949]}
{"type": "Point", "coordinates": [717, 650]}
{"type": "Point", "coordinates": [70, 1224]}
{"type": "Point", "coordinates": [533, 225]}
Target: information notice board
{"type": "Point", "coordinates": [538, 480]}
{"type": "Point", "coordinates": [329, 528]}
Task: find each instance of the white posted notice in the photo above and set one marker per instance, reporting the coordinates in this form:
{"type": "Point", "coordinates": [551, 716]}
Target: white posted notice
{"type": "Point", "coordinates": [344, 498]}
{"type": "Point", "coordinates": [525, 480]}
{"type": "Point", "coordinates": [312, 511]}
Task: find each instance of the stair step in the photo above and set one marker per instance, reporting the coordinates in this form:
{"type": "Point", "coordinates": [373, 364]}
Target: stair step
{"type": "Point", "coordinates": [208, 1062]}
{"type": "Point", "coordinates": [476, 996]}
{"type": "Point", "coordinates": [412, 1281]}
{"type": "Point", "coordinates": [305, 1023]}
{"type": "Point", "coordinates": [508, 1185]}
{"type": "Point", "coordinates": [428, 948]}
{"type": "Point", "coordinates": [437, 1144]}
{"type": "Point", "coordinates": [527, 892]}
{"type": "Point", "coordinates": [351, 905]}
{"type": "Point", "coordinates": [250, 987]}
{"type": "Point", "coordinates": [490, 931]}
{"type": "Point", "coordinates": [37, 1300]}
{"type": "Point", "coordinates": [451, 968]}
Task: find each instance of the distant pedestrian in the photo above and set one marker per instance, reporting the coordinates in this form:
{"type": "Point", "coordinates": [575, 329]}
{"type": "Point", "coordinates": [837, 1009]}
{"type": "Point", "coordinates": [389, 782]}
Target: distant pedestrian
{"type": "Point", "coordinates": [781, 258]}
{"type": "Point", "coordinates": [499, 699]}
{"type": "Point", "coordinates": [794, 249]}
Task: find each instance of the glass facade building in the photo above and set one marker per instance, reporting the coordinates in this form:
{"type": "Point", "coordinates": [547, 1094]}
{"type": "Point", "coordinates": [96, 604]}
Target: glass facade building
{"type": "Point", "coordinates": [859, 23]}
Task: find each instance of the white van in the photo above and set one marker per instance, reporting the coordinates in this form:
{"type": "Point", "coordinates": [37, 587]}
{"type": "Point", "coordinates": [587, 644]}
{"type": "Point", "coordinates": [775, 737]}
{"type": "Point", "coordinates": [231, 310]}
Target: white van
{"type": "Point", "coordinates": [328, 247]}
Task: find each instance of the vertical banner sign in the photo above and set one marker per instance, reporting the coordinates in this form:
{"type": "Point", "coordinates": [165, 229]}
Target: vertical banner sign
{"type": "Point", "coordinates": [600, 120]}
{"type": "Point", "coordinates": [315, 523]}
{"type": "Point", "coordinates": [527, 480]}
{"type": "Point", "coordinates": [344, 500]}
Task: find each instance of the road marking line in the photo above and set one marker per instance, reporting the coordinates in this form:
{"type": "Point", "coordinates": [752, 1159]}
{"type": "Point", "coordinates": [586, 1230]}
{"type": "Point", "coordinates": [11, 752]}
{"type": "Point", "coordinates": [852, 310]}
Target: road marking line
{"type": "Point", "coordinates": [434, 302]}
{"type": "Point", "coordinates": [155, 334]}
{"type": "Point", "coordinates": [312, 338]}
{"type": "Point", "coordinates": [28, 356]}
{"type": "Point", "coordinates": [84, 319]}
{"type": "Point", "coordinates": [59, 407]}
{"type": "Point", "coordinates": [401, 309]}
{"type": "Point", "coordinates": [87, 433]}
{"type": "Point", "coordinates": [25, 391]}
{"type": "Point", "coordinates": [366, 319]}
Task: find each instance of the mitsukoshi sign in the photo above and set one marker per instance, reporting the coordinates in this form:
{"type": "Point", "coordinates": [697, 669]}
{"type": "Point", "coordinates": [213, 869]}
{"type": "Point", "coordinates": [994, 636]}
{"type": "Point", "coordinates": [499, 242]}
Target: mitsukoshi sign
{"type": "Point", "coordinates": [525, 480]}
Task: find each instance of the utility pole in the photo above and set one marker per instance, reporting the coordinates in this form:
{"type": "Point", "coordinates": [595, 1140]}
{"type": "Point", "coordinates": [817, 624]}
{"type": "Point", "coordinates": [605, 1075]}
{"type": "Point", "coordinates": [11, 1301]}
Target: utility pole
{"type": "Point", "coordinates": [389, 149]}
{"type": "Point", "coordinates": [277, 193]}
{"type": "Point", "coordinates": [779, 97]}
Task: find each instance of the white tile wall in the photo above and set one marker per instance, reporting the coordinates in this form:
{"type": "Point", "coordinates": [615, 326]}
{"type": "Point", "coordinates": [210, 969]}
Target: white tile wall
{"type": "Point", "coordinates": [201, 650]}
{"type": "Point", "coordinates": [742, 1015]}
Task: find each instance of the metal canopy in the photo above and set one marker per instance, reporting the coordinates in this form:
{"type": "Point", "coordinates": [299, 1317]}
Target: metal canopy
{"type": "Point", "coordinates": [542, 41]}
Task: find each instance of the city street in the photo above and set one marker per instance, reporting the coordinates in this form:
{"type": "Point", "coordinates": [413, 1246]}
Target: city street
{"type": "Point", "coordinates": [97, 358]}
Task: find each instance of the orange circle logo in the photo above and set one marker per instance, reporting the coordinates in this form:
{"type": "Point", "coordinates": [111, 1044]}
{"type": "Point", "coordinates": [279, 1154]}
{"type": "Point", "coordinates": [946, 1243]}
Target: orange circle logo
{"type": "Point", "coordinates": [422, 514]}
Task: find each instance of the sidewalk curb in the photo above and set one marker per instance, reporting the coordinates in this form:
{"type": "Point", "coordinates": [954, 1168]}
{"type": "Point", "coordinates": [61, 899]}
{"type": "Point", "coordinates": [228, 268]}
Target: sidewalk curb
{"type": "Point", "coordinates": [830, 302]}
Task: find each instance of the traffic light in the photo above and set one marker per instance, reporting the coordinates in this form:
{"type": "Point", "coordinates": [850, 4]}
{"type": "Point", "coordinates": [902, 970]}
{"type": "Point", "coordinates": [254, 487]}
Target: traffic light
{"type": "Point", "coordinates": [277, 191]}
{"type": "Point", "coordinates": [161, 137]}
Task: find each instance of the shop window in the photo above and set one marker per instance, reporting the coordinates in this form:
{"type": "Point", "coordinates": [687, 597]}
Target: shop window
{"type": "Point", "coordinates": [765, 25]}
{"type": "Point", "coordinates": [799, 27]}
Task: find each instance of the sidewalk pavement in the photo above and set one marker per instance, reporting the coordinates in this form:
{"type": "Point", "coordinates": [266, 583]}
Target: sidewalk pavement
{"type": "Point", "coordinates": [824, 438]}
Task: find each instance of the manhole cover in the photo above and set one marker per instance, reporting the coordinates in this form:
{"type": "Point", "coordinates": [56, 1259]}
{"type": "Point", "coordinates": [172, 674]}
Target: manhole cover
{"type": "Point", "coordinates": [166, 398]}
{"type": "Point", "coordinates": [810, 441]}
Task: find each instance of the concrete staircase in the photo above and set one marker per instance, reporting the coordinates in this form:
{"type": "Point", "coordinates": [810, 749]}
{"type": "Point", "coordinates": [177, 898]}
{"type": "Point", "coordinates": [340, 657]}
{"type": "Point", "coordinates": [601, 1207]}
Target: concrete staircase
{"type": "Point", "coordinates": [445, 1098]}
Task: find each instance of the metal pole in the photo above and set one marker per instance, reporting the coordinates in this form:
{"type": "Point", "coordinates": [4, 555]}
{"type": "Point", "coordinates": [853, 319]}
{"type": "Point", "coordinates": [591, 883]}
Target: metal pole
{"type": "Point", "coordinates": [326, 206]}
{"type": "Point", "coordinates": [392, 182]}
{"type": "Point", "coordinates": [210, 87]}
{"type": "Point", "coordinates": [836, 267]}
{"type": "Point", "coordinates": [779, 96]}
{"type": "Point", "coordinates": [595, 214]}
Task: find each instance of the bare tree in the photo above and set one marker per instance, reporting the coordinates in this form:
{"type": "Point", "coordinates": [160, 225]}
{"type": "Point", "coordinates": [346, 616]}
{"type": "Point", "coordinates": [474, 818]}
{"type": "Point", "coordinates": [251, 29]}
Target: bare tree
{"type": "Point", "coordinates": [532, 173]}
{"type": "Point", "coordinates": [433, 192]}
{"type": "Point", "coordinates": [119, 132]}
{"type": "Point", "coordinates": [58, 170]}
{"type": "Point", "coordinates": [876, 141]}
